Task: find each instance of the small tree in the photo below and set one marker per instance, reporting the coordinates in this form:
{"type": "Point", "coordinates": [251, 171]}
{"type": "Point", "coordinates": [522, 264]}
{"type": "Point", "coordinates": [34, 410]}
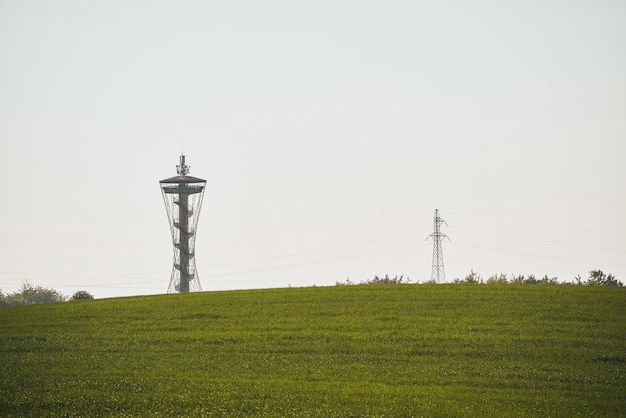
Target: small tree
{"type": "Point", "coordinates": [473, 277]}
{"type": "Point", "coordinates": [81, 295]}
{"type": "Point", "coordinates": [548, 280]}
{"type": "Point", "coordinates": [33, 294]}
{"type": "Point", "coordinates": [39, 294]}
{"type": "Point", "coordinates": [520, 278]}
{"type": "Point", "coordinates": [498, 279]}
{"type": "Point", "coordinates": [387, 280]}
{"type": "Point", "coordinates": [531, 279]}
{"type": "Point", "coordinates": [598, 278]}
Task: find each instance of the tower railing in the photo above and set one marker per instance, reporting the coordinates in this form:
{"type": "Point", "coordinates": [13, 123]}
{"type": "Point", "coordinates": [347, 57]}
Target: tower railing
{"type": "Point", "coordinates": [182, 188]}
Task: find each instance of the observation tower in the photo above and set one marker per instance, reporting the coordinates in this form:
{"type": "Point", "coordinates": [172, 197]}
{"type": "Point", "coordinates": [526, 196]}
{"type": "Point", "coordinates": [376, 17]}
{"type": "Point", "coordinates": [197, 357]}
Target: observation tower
{"type": "Point", "coordinates": [182, 195]}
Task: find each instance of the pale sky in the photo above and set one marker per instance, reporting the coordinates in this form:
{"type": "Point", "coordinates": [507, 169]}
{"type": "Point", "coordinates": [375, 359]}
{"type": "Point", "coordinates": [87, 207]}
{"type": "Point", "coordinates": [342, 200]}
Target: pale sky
{"type": "Point", "coordinates": [328, 133]}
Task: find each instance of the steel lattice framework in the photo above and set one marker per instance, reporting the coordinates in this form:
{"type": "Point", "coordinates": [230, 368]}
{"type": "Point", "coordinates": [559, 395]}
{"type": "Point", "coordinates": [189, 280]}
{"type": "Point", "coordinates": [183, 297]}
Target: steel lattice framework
{"type": "Point", "coordinates": [438, 272]}
{"type": "Point", "coordinates": [183, 198]}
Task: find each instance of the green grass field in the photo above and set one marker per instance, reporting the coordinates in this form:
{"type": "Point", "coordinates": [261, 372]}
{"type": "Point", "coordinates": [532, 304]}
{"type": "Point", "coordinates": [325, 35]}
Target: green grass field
{"type": "Point", "coordinates": [344, 351]}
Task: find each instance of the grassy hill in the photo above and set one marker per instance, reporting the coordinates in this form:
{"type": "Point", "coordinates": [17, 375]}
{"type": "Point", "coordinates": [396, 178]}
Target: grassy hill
{"type": "Point", "coordinates": [363, 350]}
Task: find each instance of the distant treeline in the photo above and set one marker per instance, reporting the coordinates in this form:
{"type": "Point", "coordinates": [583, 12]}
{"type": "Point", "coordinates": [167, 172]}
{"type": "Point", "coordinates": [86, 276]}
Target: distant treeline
{"type": "Point", "coordinates": [596, 278]}
{"type": "Point", "coordinates": [28, 294]}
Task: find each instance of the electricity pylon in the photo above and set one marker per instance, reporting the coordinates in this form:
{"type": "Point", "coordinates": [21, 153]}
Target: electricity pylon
{"type": "Point", "coordinates": [438, 273]}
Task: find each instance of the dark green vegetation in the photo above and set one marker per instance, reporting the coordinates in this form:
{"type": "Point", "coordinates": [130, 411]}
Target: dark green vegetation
{"type": "Point", "coordinates": [28, 294]}
{"type": "Point", "coordinates": [376, 350]}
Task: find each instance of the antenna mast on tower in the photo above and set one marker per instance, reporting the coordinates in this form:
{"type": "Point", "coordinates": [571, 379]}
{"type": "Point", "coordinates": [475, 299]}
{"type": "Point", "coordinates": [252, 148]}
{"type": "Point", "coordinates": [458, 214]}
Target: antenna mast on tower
{"type": "Point", "coordinates": [438, 273]}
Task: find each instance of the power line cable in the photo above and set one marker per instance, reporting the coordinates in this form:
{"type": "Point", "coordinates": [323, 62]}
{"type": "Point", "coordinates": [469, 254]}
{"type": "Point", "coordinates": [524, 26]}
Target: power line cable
{"type": "Point", "coordinates": [490, 219]}
{"type": "Point", "coordinates": [269, 268]}
{"type": "Point", "coordinates": [534, 255]}
{"type": "Point", "coordinates": [323, 261]}
{"type": "Point", "coordinates": [539, 240]}
{"type": "Point", "coordinates": [259, 260]}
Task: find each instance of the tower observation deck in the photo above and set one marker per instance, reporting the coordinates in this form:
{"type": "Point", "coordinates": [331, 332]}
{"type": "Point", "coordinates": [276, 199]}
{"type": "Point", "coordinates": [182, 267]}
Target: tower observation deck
{"type": "Point", "coordinates": [183, 195]}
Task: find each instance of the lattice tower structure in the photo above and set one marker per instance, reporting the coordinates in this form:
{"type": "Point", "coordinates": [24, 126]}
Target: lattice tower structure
{"type": "Point", "coordinates": [183, 195]}
{"type": "Point", "coordinates": [438, 273]}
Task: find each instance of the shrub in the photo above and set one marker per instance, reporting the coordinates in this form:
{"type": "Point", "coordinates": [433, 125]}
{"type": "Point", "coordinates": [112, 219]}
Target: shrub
{"type": "Point", "coordinates": [598, 278]}
{"type": "Point", "coordinates": [81, 294]}
{"type": "Point", "coordinates": [387, 280]}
